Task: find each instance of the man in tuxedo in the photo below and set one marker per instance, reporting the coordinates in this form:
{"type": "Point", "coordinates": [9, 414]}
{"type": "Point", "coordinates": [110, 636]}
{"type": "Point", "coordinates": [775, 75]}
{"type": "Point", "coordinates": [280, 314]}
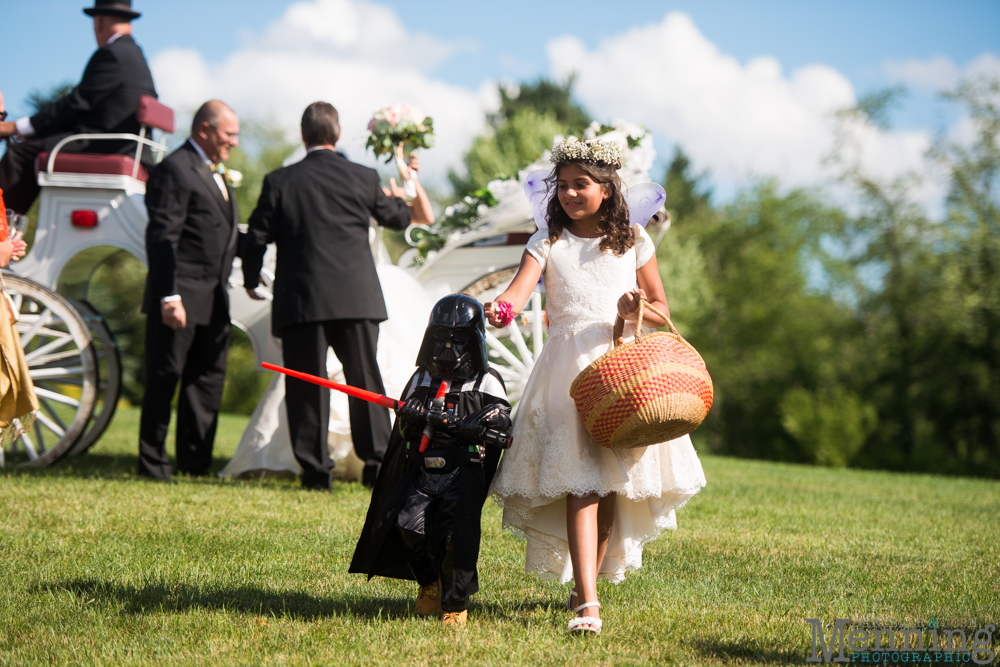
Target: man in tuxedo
{"type": "Point", "coordinates": [191, 240]}
{"type": "Point", "coordinates": [326, 289]}
{"type": "Point", "coordinates": [104, 102]}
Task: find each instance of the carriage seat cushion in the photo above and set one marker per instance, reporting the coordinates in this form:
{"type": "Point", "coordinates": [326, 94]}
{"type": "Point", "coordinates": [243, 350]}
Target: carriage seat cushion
{"type": "Point", "coordinates": [91, 163]}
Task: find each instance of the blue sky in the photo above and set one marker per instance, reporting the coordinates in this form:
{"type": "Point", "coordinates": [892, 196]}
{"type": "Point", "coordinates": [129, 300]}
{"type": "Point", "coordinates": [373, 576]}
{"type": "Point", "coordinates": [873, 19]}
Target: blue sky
{"type": "Point", "coordinates": [513, 40]}
{"type": "Point", "coordinates": [854, 37]}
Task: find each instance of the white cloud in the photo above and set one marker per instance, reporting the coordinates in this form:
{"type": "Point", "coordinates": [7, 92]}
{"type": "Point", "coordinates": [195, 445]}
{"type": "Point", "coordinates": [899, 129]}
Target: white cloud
{"type": "Point", "coordinates": [738, 120]}
{"type": "Point", "coordinates": [938, 72]}
{"type": "Point", "coordinates": [354, 30]}
{"type": "Point", "coordinates": [354, 54]}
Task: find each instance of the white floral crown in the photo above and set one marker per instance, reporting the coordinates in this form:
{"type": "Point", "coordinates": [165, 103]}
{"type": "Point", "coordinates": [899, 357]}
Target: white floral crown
{"type": "Point", "coordinates": [592, 150]}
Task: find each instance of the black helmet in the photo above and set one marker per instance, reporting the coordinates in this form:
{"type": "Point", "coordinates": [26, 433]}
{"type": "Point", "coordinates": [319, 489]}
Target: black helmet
{"type": "Point", "coordinates": [455, 340]}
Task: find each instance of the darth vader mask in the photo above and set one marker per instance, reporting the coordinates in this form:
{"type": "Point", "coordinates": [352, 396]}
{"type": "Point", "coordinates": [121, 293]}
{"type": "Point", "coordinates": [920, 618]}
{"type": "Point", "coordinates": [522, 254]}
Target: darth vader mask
{"type": "Point", "coordinates": [454, 343]}
{"type": "Point", "coordinates": [452, 353]}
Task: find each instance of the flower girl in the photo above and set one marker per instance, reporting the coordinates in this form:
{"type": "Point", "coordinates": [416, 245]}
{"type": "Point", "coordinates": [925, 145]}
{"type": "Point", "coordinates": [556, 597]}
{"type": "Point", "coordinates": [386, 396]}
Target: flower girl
{"type": "Point", "coordinates": [585, 510]}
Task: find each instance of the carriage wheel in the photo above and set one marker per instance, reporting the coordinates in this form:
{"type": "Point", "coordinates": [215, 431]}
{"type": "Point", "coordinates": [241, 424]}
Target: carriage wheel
{"type": "Point", "coordinates": [513, 349]}
{"type": "Point", "coordinates": [109, 377]}
{"type": "Point", "coordinates": [62, 366]}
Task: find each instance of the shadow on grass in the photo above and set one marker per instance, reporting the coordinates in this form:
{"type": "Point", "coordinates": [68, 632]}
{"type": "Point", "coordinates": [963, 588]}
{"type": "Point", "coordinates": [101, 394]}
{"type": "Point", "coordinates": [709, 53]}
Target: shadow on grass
{"type": "Point", "coordinates": [737, 653]}
{"type": "Point", "coordinates": [252, 600]}
{"type": "Point", "coordinates": [125, 466]}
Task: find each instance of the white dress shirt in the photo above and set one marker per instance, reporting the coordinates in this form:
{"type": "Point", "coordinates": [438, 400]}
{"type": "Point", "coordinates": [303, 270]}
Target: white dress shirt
{"type": "Point", "coordinates": [219, 180]}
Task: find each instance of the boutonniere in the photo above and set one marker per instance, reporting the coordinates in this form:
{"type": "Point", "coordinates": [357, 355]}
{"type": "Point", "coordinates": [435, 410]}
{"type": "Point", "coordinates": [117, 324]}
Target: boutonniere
{"type": "Point", "coordinates": [233, 177]}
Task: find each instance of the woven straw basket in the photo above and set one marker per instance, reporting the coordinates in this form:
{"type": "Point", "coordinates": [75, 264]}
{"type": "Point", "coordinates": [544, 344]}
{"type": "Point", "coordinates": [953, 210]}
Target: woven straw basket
{"type": "Point", "coordinates": [643, 392]}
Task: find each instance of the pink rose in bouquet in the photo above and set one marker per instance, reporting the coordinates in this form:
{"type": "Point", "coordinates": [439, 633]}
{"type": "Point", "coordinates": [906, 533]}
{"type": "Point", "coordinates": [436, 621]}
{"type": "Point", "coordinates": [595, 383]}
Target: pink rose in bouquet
{"type": "Point", "coordinates": [396, 131]}
{"type": "Point", "coordinates": [399, 123]}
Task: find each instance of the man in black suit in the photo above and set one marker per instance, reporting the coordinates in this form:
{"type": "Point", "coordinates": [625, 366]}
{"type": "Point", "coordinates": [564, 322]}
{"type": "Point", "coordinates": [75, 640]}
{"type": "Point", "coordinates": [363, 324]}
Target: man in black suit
{"type": "Point", "coordinates": [191, 240]}
{"type": "Point", "coordinates": [104, 102]}
{"type": "Point", "coordinates": [326, 289]}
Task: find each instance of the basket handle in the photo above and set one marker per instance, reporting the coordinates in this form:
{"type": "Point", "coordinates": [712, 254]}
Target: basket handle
{"type": "Point", "coordinates": [620, 323]}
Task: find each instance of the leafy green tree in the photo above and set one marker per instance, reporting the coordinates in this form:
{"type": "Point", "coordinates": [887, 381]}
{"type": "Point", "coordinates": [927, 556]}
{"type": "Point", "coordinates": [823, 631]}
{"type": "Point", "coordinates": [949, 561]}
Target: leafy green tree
{"type": "Point", "coordinates": [927, 296]}
{"type": "Point", "coordinates": [686, 194]}
{"type": "Point", "coordinates": [775, 347]}
{"type": "Point", "coordinates": [38, 99]}
{"type": "Point", "coordinates": [519, 132]}
{"type": "Point", "coordinates": [116, 289]}
{"type": "Point", "coordinates": [543, 96]}
{"type": "Point", "coordinates": [506, 150]}
{"type": "Point", "coordinates": [962, 399]}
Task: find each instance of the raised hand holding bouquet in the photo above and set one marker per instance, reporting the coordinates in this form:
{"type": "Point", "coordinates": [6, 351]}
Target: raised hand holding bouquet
{"type": "Point", "coordinates": [397, 131]}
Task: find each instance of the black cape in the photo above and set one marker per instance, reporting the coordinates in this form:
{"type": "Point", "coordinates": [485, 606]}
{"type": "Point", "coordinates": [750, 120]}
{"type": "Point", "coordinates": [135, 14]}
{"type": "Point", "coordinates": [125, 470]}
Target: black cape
{"type": "Point", "coordinates": [379, 551]}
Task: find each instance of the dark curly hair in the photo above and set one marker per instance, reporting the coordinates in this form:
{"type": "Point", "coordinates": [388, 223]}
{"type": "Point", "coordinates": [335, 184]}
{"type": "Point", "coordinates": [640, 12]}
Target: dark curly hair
{"type": "Point", "coordinates": [613, 221]}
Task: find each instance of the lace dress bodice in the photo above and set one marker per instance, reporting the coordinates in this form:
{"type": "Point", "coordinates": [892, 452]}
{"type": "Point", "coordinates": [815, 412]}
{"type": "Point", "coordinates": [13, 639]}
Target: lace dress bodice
{"type": "Point", "coordinates": [582, 282]}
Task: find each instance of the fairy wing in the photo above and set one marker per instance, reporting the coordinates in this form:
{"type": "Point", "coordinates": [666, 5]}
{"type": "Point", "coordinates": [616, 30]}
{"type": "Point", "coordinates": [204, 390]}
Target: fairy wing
{"type": "Point", "coordinates": [537, 192]}
{"type": "Point", "coordinates": [643, 200]}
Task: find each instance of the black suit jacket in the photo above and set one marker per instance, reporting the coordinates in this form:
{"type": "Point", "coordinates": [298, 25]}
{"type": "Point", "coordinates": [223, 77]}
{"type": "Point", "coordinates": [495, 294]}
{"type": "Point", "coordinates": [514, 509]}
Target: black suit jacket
{"type": "Point", "coordinates": [191, 236]}
{"type": "Point", "coordinates": [105, 99]}
{"type": "Point", "coordinates": [317, 211]}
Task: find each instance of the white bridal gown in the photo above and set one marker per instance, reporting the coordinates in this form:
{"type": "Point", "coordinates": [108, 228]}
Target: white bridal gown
{"type": "Point", "coordinates": [266, 444]}
{"type": "Point", "coordinates": [552, 454]}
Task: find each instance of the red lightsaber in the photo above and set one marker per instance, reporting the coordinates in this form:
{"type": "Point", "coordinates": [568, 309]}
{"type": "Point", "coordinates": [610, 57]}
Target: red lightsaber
{"type": "Point", "coordinates": [363, 394]}
{"type": "Point", "coordinates": [437, 404]}
{"type": "Point", "coordinates": [495, 438]}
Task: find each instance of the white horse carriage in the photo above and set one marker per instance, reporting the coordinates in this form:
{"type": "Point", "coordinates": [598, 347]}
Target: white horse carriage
{"type": "Point", "coordinates": [92, 207]}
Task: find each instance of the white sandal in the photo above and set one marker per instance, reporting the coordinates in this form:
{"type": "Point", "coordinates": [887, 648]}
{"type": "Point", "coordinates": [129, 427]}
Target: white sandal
{"type": "Point", "coordinates": [575, 624]}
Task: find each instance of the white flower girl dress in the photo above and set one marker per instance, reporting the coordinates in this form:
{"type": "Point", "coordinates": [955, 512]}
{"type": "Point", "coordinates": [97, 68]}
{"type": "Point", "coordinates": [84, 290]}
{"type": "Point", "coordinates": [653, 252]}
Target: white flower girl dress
{"type": "Point", "coordinates": [552, 455]}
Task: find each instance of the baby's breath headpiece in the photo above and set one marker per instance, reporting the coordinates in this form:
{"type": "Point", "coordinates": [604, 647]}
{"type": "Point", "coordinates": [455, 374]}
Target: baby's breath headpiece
{"type": "Point", "coordinates": [592, 150]}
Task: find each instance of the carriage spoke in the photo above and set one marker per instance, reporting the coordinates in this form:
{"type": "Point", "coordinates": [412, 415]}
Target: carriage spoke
{"type": "Point", "coordinates": [55, 373]}
{"type": "Point", "coordinates": [55, 415]}
{"type": "Point", "coordinates": [38, 431]}
{"type": "Point", "coordinates": [42, 320]}
{"type": "Point", "coordinates": [505, 354]}
{"type": "Point", "coordinates": [29, 446]}
{"type": "Point", "coordinates": [51, 358]}
{"type": "Point", "coordinates": [522, 348]}
{"type": "Point", "coordinates": [51, 425]}
{"type": "Point", "coordinates": [52, 346]}
{"type": "Point", "coordinates": [537, 320]}
{"type": "Point", "coordinates": [43, 393]}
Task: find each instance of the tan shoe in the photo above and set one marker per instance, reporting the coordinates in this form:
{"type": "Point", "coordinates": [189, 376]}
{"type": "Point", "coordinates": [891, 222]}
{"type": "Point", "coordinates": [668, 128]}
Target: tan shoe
{"type": "Point", "coordinates": [455, 618]}
{"type": "Point", "coordinates": [429, 600]}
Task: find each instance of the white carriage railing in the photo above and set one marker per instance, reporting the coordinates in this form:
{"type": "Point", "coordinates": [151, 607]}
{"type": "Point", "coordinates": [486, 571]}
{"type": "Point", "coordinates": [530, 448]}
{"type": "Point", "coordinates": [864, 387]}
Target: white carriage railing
{"type": "Point", "coordinates": [140, 140]}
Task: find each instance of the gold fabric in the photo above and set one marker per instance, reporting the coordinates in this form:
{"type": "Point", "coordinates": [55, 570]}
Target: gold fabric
{"type": "Point", "coordinates": [17, 393]}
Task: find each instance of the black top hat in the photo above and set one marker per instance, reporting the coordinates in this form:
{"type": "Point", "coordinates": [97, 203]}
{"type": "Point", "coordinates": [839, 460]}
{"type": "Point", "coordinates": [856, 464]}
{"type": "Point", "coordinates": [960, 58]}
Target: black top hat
{"type": "Point", "coordinates": [121, 8]}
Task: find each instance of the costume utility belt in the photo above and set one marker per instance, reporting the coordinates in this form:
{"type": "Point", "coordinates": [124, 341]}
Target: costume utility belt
{"type": "Point", "coordinates": [445, 459]}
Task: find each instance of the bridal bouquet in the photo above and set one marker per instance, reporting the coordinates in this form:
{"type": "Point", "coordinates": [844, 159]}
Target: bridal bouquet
{"type": "Point", "coordinates": [396, 131]}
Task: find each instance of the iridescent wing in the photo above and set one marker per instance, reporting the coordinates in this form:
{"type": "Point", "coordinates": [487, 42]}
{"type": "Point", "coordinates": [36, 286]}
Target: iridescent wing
{"type": "Point", "coordinates": [537, 192]}
{"type": "Point", "coordinates": [643, 201]}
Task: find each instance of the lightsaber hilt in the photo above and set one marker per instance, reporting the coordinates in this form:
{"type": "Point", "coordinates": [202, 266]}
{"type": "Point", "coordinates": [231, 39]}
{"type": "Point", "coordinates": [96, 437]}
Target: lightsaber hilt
{"type": "Point", "coordinates": [436, 404]}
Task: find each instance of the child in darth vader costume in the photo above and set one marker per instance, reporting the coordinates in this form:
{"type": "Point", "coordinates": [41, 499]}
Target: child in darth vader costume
{"type": "Point", "coordinates": [424, 519]}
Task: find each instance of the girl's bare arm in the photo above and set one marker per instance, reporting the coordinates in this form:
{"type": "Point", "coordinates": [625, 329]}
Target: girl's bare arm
{"type": "Point", "coordinates": [651, 288]}
{"type": "Point", "coordinates": [520, 288]}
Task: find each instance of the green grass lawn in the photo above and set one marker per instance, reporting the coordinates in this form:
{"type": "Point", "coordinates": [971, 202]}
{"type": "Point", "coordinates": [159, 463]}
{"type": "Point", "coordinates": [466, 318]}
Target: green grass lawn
{"type": "Point", "coordinates": [100, 567]}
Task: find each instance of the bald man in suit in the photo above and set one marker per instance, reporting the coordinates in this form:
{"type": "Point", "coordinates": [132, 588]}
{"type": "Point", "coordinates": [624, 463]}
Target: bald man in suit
{"type": "Point", "coordinates": [191, 240]}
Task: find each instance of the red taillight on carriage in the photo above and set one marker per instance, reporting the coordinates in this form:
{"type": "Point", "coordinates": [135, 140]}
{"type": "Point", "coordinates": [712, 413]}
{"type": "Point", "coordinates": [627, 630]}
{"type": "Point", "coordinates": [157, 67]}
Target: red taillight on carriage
{"type": "Point", "coordinates": [83, 218]}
